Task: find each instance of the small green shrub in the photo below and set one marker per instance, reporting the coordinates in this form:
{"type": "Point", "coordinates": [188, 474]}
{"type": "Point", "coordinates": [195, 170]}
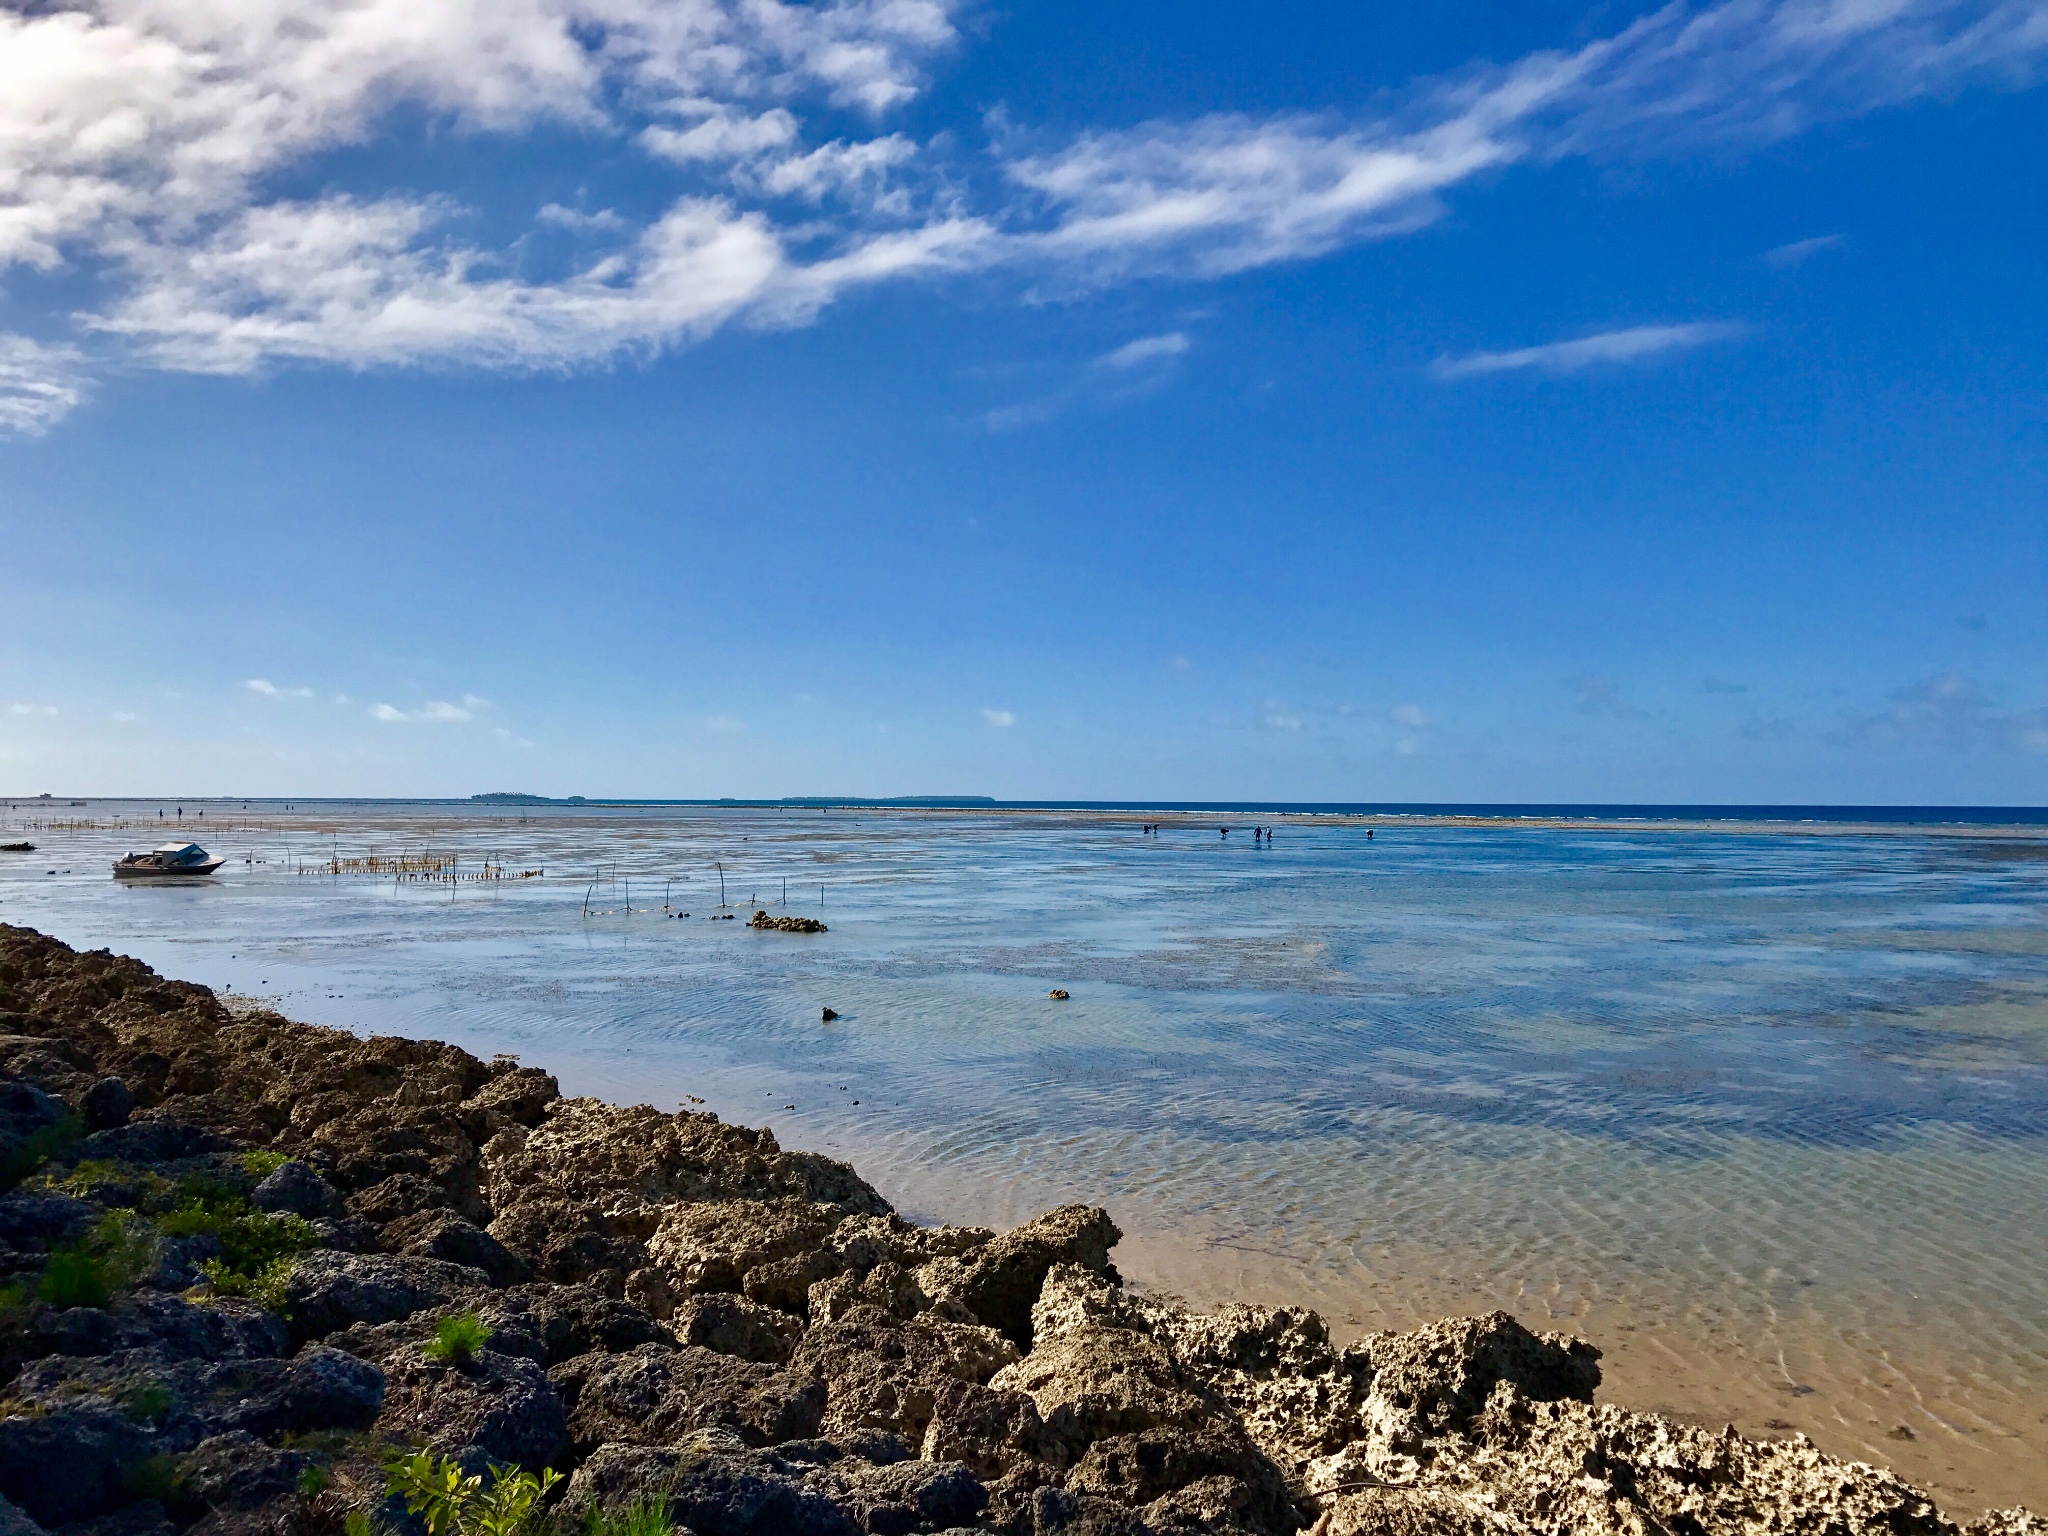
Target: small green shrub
{"type": "Point", "coordinates": [360, 1522]}
{"type": "Point", "coordinates": [115, 1254]}
{"type": "Point", "coordinates": [260, 1165]}
{"type": "Point", "coordinates": [28, 1154]}
{"type": "Point", "coordinates": [313, 1481]}
{"type": "Point", "coordinates": [85, 1176]}
{"type": "Point", "coordinates": [155, 1477]}
{"type": "Point", "coordinates": [258, 1249]}
{"type": "Point", "coordinates": [647, 1515]}
{"type": "Point", "coordinates": [457, 1339]}
{"type": "Point", "coordinates": [75, 1276]}
{"type": "Point", "coordinates": [267, 1287]}
{"type": "Point", "coordinates": [147, 1402]}
{"type": "Point", "coordinates": [451, 1503]}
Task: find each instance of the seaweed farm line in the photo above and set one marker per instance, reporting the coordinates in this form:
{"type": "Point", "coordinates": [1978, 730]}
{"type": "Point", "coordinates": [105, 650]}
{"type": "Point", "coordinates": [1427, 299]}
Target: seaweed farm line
{"type": "Point", "coordinates": [420, 868]}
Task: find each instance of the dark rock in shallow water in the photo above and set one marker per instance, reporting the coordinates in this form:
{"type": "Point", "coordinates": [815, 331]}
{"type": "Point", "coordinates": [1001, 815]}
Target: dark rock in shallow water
{"type": "Point", "coordinates": [502, 1404]}
{"type": "Point", "coordinates": [296, 1187]}
{"type": "Point", "coordinates": [328, 1291]}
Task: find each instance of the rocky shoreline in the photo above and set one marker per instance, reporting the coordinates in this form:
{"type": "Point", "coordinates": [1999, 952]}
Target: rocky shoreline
{"type": "Point", "coordinates": [245, 1263]}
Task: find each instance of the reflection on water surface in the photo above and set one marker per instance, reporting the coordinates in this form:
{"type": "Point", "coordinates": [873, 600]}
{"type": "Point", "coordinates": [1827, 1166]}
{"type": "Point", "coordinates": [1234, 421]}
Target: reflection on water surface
{"type": "Point", "coordinates": [1765, 1114]}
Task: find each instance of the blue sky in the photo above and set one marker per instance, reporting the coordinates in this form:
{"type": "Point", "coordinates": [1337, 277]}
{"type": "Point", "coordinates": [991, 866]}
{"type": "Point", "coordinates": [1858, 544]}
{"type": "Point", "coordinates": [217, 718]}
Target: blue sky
{"type": "Point", "coordinates": [697, 397]}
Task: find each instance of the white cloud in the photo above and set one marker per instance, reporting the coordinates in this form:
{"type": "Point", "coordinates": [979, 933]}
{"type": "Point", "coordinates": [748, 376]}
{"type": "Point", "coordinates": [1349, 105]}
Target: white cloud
{"type": "Point", "coordinates": [1797, 251]}
{"type": "Point", "coordinates": [721, 136]}
{"type": "Point", "coordinates": [1000, 718]}
{"type": "Point", "coordinates": [724, 724]}
{"type": "Point", "coordinates": [270, 690]}
{"type": "Point", "coordinates": [1146, 349]}
{"type": "Point", "coordinates": [605, 220]}
{"type": "Point", "coordinates": [142, 142]}
{"type": "Point", "coordinates": [1279, 718]}
{"type": "Point", "coordinates": [434, 712]}
{"type": "Point", "coordinates": [1634, 345]}
{"type": "Point", "coordinates": [1410, 715]}
{"type": "Point", "coordinates": [123, 716]}
{"type": "Point", "coordinates": [39, 385]}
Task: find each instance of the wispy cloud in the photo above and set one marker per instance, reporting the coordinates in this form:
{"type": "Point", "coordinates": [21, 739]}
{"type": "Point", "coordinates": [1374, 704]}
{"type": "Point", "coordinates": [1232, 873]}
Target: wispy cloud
{"type": "Point", "coordinates": [1722, 685]}
{"type": "Point", "coordinates": [1002, 719]}
{"type": "Point", "coordinates": [1948, 710]}
{"type": "Point", "coordinates": [724, 724]}
{"type": "Point", "coordinates": [144, 142]}
{"type": "Point", "coordinates": [434, 712]}
{"type": "Point", "coordinates": [39, 385]}
{"type": "Point", "coordinates": [1278, 717]}
{"type": "Point", "coordinates": [270, 690]}
{"type": "Point", "coordinates": [1146, 349]}
{"type": "Point", "coordinates": [1410, 715]}
{"type": "Point", "coordinates": [1602, 696]}
{"type": "Point", "coordinates": [123, 716]}
{"type": "Point", "coordinates": [1636, 344]}
{"type": "Point", "coordinates": [32, 709]}
{"type": "Point", "coordinates": [1129, 372]}
{"type": "Point", "coordinates": [1798, 251]}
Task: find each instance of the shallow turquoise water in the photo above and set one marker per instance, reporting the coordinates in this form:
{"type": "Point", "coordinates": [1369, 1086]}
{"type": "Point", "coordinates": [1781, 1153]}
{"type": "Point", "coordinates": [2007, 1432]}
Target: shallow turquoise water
{"type": "Point", "coordinates": [1777, 1097]}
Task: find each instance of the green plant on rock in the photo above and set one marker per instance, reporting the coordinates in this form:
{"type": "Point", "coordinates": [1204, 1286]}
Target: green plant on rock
{"type": "Point", "coordinates": [313, 1481]}
{"type": "Point", "coordinates": [450, 1502]}
{"type": "Point", "coordinates": [360, 1522]}
{"type": "Point", "coordinates": [261, 1164]}
{"type": "Point", "coordinates": [457, 1339]}
{"type": "Point", "coordinates": [155, 1477]}
{"type": "Point", "coordinates": [115, 1254]}
{"type": "Point", "coordinates": [28, 1153]}
{"type": "Point", "coordinates": [646, 1515]}
{"type": "Point", "coordinates": [258, 1249]}
{"type": "Point", "coordinates": [268, 1287]}
{"type": "Point", "coordinates": [147, 1402]}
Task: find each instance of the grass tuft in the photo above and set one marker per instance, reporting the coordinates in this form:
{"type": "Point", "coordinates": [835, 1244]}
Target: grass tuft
{"type": "Point", "coordinates": [457, 1339]}
{"type": "Point", "coordinates": [646, 1515]}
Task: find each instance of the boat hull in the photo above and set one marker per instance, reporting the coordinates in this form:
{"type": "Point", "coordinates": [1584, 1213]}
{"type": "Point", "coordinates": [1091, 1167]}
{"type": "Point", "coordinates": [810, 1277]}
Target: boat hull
{"type": "Point", "coordinates": [126, 871]}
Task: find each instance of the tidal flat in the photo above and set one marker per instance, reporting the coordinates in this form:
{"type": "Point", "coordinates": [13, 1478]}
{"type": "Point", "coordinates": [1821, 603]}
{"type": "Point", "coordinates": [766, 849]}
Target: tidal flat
{"type": "Point", "coordinates": [1762, 1114]}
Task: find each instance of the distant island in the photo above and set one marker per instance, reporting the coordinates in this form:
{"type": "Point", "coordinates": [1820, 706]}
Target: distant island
{"type": "Point", "coordinates": [514, 797]}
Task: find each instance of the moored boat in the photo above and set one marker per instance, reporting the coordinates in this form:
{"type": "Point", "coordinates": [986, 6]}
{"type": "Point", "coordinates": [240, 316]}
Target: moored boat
{"type": "Point", "coordinates": [186, 859]}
